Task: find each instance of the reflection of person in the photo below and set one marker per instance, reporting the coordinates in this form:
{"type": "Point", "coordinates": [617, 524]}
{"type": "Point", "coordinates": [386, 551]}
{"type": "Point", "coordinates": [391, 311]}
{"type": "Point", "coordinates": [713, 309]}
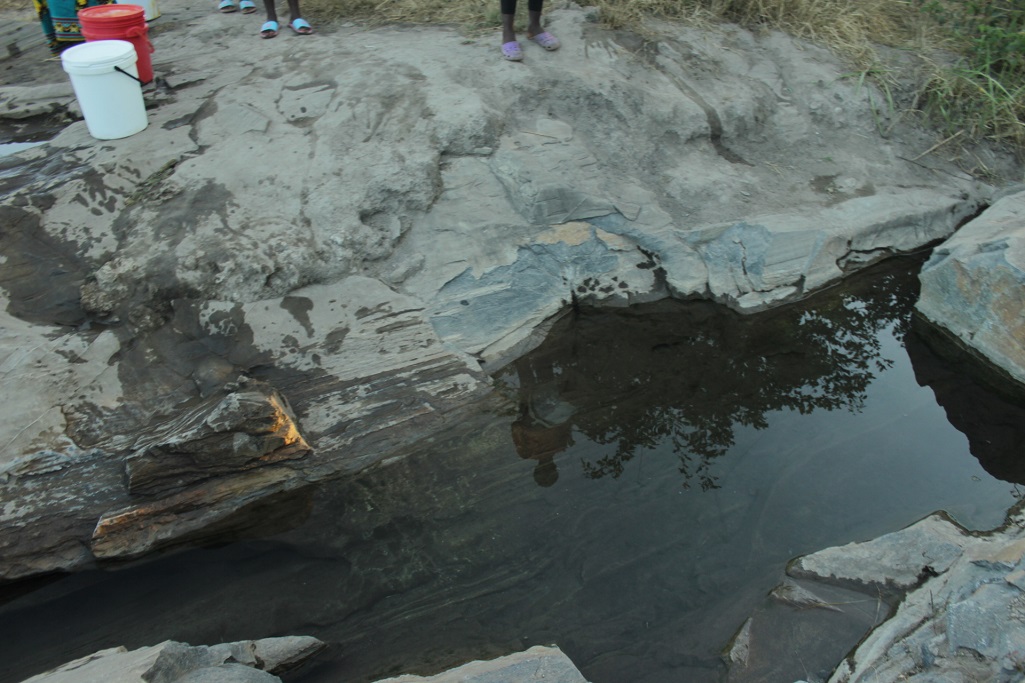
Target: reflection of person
{"type": "Point", "coordinates": [511, 49]}
{"type": "Point", "coordinates": [541, 442]}
{"type": "Point", "coordinates": [59, 19]}
{"type": "Point", "coordinates": [543, 428]}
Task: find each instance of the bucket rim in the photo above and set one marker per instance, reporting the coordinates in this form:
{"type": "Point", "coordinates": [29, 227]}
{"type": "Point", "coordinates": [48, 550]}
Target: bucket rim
{"type": "Point", "coordinates": [98, 56]}
{"type": "Point", "coordinates": [112, 12]}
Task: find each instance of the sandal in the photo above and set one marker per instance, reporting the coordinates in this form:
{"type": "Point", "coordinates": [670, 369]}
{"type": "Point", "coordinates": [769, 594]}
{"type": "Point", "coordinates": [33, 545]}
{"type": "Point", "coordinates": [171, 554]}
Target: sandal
{"type": "Point", "coordinates": [546, 40]}
{"type": "Point", "coordinates": [512, 51]}
{"type": "Point", "coordinates": [269, 29]}
{"type": "Point", "coordinates": [227, 6]}
{"type": "Point", "coordinates": [301, 26]}
{"type": "Point", "coordinates": [247, 6]}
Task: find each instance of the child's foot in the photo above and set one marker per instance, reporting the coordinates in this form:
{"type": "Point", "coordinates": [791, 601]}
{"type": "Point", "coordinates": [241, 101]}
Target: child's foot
{"type": "Point", "coordinates": [226, 6]}
{"type": "Point", "coordinates": [545, 40]}
{"type": "Point", "coordinates": [301, 26]}
{"type": "Point", "coordinates": [247, 6]}
{"type": "Point", "coordinates": [269, 29]}
{"type": "Point", "coordinates": [512, 51]}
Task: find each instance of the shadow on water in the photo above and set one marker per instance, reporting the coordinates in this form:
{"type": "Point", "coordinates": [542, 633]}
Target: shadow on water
{"type": "Point", "coordinates": [655, 471]}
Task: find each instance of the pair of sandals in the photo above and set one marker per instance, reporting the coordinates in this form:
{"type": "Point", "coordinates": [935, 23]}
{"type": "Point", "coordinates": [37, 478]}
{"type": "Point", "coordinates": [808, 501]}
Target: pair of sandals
{"type": "Point", "coordinates": [300, 26]}
{"type": "Point", "coordinates": [513, 52]}
{"type": "Point", "coordinates": [228, 6]}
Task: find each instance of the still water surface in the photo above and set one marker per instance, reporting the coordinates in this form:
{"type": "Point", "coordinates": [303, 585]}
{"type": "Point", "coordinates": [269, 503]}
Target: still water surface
{"type": "Point", "coordinates": [653, 474]}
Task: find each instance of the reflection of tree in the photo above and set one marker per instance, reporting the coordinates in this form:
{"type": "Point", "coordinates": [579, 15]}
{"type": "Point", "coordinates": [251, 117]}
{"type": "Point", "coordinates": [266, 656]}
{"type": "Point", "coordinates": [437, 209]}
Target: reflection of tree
{"type": "Point", "coordinates": [687, 374]}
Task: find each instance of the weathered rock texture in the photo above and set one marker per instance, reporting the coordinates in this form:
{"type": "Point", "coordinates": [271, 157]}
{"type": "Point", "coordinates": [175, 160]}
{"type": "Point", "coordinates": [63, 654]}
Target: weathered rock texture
{"type": "Point", "coordinates": [537, 664]}
{"type": "Point", "coordinates": [250, 661]}
{"type": "Point", "coordinates": [363, 223]}
{"type": "Point", "coordinates": [974, 285]}
{"type": "Point", "coordinates": [962, 616]}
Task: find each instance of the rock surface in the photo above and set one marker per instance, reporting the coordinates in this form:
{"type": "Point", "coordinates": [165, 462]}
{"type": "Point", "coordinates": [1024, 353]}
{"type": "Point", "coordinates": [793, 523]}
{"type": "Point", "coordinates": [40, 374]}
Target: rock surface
{"type": "Point", "coordinates": [961, 611]}
{"type": "Point", "coordinates": [257, 661]}
{"type": "Point", "coordinates": [250, 661]}
{"type": "Point", "coordinates": [974, 285]}
{"type": "Point", "coordinates": [539, 663]}
{"type": "Point", "coordinates": [366, 222]}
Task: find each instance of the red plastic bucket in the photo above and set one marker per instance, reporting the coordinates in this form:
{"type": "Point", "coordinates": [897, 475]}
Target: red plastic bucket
{"type": "Point", "coordinates": [120, 22]}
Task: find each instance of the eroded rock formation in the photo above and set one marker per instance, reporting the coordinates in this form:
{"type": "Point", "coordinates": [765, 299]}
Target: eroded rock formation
{"type": "Point", "coordinates": [314, 253]}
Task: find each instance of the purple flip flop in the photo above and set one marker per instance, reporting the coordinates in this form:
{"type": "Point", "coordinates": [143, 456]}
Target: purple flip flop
{"type": "Point", "coordinates": [547, 41]}
{"type": "Point", "coordinates": [512, 51]}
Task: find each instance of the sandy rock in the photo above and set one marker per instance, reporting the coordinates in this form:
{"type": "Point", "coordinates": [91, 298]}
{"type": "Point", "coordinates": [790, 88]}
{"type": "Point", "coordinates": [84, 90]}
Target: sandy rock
{"type": "Point", "coordinates": [974, 285]}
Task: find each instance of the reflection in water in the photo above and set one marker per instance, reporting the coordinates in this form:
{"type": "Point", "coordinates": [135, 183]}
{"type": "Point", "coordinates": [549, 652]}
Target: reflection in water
{"type": "Point", "coordinates": [543, 428]}
{"type": "Point", "coordinates": [805, 427]}
{"type": "Point", "coordinates": [691, 374]}
{"type": "Point", "coordinates": [985, 408]}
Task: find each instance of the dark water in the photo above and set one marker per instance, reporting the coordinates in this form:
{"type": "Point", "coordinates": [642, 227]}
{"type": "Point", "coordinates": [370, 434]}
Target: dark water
{"type": "Point", "coordinates": [653, 474]}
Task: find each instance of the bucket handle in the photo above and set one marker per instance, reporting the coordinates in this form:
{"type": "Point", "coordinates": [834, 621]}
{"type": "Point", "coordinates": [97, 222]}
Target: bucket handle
{"type": "Point", "coordinates": [136, 32]}
{"type": "Point", "coordinates": [117, 68]}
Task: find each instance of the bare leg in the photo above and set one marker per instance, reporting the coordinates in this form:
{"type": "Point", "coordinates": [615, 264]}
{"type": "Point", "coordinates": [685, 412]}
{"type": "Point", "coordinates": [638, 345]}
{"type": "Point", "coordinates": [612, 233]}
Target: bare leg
{"type": "Point", "coordinates": [303, 26]}
{"type": "Point", "coordinates": [534, 23]}
{"type": "Point", "coordinates": [508, 33]}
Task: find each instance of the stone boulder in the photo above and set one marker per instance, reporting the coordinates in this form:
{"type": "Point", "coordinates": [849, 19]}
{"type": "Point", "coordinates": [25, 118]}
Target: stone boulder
{"type": "Point", "coordinates": [537, 664]}
{"type": "Point", "coordinates": [249, 661]}
{"type": "Point", "coordinates": [973, 286]}
{"type": "Point", "coordinates": [959, 596]}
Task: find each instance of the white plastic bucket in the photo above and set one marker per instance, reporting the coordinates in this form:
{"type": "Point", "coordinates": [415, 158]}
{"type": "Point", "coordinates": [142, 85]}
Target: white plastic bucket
{"type": "Point", "coordinates": [149, 7]}
{"type": "Point", "coordinates": [111, 100]}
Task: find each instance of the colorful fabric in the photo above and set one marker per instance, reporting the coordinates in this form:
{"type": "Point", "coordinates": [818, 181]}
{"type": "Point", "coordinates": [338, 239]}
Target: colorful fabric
{"type": "Point", "coordinates": [59, 20]}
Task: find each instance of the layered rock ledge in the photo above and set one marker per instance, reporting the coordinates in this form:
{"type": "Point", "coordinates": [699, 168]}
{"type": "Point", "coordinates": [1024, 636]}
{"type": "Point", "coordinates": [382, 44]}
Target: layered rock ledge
{"type": "Point", "coordinates": [365, 234]}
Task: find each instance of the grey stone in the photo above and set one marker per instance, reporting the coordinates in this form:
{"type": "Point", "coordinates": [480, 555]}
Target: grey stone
{"type": "Point", "coordinates": [245, 428]}
{"type": "Point", "coordinates": [26, 101]}
{"type": "Point", "coordinates": [228, 673]}
{"type": "Point", "coordinates": [250, 661]}
{"type": "Point", "coordinates": [966, 622]}
{"type": "Point", "coordinates": [983, 623]}
{"type": "Point", "coordinates": [974, 285]}
{"type": "Point", "coordinates": [537, 664]}
{"type": "Point", "coordinates": [899, 559]}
